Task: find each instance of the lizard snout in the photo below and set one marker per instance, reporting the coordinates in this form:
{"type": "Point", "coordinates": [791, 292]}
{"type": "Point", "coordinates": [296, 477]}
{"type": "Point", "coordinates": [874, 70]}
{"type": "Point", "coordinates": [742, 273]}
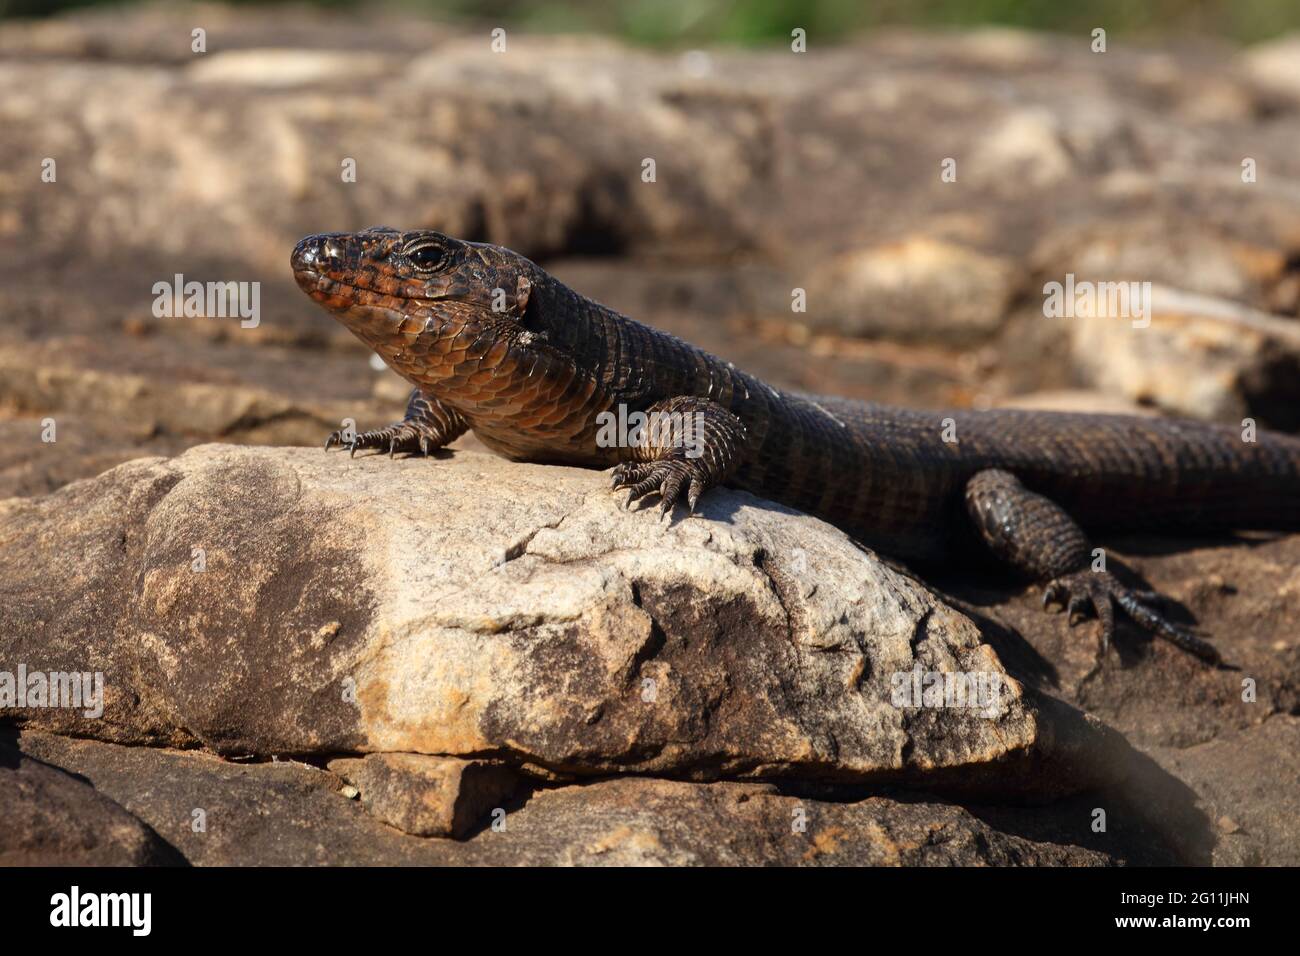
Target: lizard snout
{"type": "Point", "coordinates": [319, 252]}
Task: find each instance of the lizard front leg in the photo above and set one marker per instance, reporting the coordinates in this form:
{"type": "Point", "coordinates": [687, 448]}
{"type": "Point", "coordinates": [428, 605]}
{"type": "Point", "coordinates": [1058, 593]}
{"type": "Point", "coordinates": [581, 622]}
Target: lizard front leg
{"type": "Point", "coordinates": [427, 425]}
{"type": "Point", "coordinates": [1036, 536]}
{"type": "Point", "coordinates": [688, 444]}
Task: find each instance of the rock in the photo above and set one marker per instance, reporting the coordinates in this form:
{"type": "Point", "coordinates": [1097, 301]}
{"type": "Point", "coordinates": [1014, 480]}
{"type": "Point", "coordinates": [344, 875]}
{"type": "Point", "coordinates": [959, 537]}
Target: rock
{"type": "Point", "coordinates": [286, 814]}
{"type": "Point", "coordinates": [1275, 67]}
{"type": "Point", "coordinates": [220, 813]}
{"type": "Point", "coordinates": [428, 796]}
{"type": "Point", "coordinates": [255, 144]}
{"type": "Point", "coordinates": [286, 67]}
{"type": "Point", "coordinates": [1195, 257]}
{"type": "Point", "coordinates": [671, 823]}
{"type": "Point", "coordinates": [160, 33]}
{"type": "Point", "coordinates": [1248, 780]}
{"type": "Point", "coordinates": [1243, 594]}
{"type": "Point", "coordinates": [1211, 728]}
{"type": "Point", "coordinates": [918, 289]}
{"type": "Point", "coordinates": [1198, 357]}
{"type": "Point", "coordinates": [53, 818]}
{"type": "Point", "coordinates": [1077, 400]}
{"type": "Point", "coordinates": [1025, 148]}
{"type": "Point", "coordinates": [468, 606]}
{"type": "Point", "coordinates": [1135, 168]}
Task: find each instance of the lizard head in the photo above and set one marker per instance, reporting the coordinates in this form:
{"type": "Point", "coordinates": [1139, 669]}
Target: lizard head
{"type": "Point", "coordinates": [384, 284]}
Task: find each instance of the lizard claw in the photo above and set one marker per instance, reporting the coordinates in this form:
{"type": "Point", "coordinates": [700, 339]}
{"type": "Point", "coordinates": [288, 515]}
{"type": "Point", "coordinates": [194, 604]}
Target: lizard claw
{"type": "Point", "coordinates": [693, 494]}
{"type": "Point", "coordinates": [1097, 593]}
{"type": "Point", "coordinates": [668, 477]}
{"type": "Point", "coordinates": [402, 437]}
{"type": "Point", "coordinates": [1079, 608]}
{"type": "Point", "coordinates": [1054, 598]}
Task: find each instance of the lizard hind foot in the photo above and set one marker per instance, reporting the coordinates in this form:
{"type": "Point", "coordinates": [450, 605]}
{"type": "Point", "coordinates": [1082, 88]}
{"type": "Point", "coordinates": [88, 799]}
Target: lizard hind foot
{"type": "Point", "coordinates": [1096, 594]}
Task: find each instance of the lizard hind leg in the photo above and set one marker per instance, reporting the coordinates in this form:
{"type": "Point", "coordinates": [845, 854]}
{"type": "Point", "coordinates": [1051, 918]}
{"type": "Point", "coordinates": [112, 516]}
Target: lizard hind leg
{"type": "Point", "coordinates": [687, 446]}
{"type": "Point", "coordinates": [427, 425]}
{"type": "Point", "coordinates": [1037, 537]}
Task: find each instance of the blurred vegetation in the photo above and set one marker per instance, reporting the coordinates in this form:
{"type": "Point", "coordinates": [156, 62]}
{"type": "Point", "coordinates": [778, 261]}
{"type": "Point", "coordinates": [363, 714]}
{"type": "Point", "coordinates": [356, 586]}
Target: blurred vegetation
{"type": "Point", "coordinates": [686, 22]}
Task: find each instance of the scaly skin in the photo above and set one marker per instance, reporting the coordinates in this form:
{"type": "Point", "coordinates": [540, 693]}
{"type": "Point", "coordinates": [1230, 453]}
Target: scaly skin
{"type": "Point", "coordinates": [491, 342]}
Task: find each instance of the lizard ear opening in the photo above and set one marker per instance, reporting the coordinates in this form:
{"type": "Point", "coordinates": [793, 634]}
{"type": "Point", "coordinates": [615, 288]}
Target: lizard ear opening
{"type": "Point", "coordinates": [525, 309]}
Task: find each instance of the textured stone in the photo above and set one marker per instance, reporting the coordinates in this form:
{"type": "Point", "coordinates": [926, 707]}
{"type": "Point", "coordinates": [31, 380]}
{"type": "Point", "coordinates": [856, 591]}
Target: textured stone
{"type": "Point", "coordinates": [428, 796]}
{"type": "Point", "coordinates": [1198, 357]}
{"type": "Point", "coordinates": [53, 818]}
{"type": "Point", "coordinates": [291, 814]}
{"type": "Point", "coordinates": [468, 606]}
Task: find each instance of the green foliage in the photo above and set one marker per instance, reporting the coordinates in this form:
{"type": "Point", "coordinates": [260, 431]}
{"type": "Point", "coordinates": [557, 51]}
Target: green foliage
{"type": "Point", "coordinates": [689, 22]}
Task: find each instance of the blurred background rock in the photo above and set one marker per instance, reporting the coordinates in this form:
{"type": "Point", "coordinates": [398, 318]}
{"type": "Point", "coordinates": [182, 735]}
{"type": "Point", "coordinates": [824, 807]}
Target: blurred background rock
{"type": "Point", "coordinates": [775, 171]}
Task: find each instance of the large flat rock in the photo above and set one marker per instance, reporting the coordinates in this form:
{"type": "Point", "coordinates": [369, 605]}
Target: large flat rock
{"type": "Point", "coordinates": [287, 601]}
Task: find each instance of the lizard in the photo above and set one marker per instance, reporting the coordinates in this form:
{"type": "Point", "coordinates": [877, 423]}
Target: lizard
{"type": "Point", "coordinates": [491, 342]}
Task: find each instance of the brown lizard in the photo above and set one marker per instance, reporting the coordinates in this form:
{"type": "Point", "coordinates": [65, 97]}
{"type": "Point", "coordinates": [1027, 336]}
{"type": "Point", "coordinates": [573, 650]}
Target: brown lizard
{"type": "Point", "coordinates": [493, 343]}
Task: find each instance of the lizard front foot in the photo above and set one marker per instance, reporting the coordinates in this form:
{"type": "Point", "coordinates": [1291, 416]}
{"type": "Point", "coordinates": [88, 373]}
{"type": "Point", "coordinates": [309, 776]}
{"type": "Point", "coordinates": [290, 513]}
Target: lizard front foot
{"type": "Point", "coordinates": [669, 478]}
{"type": "Point", "coordinates": [1086, 594]}
{"type": "Point", "coordinates": [402, 436]}
{"type": "Point", "coordinates": [428, 425]}
{"type": "Point", "coordinates": [687, 446]}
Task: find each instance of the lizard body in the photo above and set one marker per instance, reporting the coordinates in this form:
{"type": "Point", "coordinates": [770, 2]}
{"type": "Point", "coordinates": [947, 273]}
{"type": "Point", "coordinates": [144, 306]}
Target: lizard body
{"type": "Point", "coordinates": [492, 342]}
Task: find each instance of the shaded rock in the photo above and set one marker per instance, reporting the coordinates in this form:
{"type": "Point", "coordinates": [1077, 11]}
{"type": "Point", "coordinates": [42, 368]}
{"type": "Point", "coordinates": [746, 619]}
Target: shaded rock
{"type": "Point", "coordinates": [1249, 781]}
{"type": "Point", "coordinates": [293, 814]}
{"type": "Point", "coordinates": [669, 823]}
{"type": "Point", "coordinates": [468, 606]}
{"type": "Point", "coordinates": [1207, 727]}
{"type": "Point", "coordinates": [53, 818]}
{"type": "Point", "coordinates": [218, 813]}
{"type": "Point", "coordinates": [1243, 594]}
{"type": "Point", "coordinates": [428, 796]}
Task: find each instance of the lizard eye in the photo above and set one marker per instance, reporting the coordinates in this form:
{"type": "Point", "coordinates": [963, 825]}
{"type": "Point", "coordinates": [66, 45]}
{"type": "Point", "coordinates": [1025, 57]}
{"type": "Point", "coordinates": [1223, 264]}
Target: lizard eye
{"type": "Point", "coordinates": [425, 258]}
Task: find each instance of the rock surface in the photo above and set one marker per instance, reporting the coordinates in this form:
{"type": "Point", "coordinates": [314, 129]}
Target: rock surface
{"type": "Point", "coordinates": [424, 614]}
{"type": "Point", "coordinates": [428, 796]}
{"type": "Point", "coordinates": [287, 601]}
{"type": "Point", "coordinates": [289, 813]}
{"type": "Point", "coordinates": [54, 818]}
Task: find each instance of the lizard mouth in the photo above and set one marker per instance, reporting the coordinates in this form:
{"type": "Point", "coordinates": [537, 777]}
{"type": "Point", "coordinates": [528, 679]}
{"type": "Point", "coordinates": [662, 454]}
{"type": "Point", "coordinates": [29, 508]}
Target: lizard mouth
{"type": "Point", "coordinates": [339, 294]}
{"type": "Point", "coordinates": [317, 284]}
